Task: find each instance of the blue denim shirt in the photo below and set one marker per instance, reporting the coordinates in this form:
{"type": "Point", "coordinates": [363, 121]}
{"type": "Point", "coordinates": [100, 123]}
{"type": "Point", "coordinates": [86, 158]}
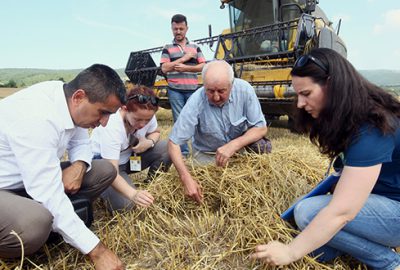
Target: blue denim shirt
{"type": "Point", "coordinates": [211, 126]}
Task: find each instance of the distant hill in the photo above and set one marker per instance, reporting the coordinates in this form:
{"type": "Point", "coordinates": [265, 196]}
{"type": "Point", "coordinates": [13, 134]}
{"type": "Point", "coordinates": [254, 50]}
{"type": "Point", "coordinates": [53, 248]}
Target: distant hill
{"type": "Point", "coordinates": [382, 77]}
{"type": "Point", "coordinates": [25, 77]}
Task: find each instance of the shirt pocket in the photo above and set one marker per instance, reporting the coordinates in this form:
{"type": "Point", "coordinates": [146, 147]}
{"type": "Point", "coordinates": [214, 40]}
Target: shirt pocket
{"type": "Point", "coordinates": [210, 133]}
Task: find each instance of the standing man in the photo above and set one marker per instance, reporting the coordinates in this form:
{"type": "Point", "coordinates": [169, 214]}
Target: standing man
{"type": "Point", "coordinates": [181, 61]}
{"type": "Point", "coordinates": [222, 117]}
{"type": "Point", "coordinates": [37, 126]}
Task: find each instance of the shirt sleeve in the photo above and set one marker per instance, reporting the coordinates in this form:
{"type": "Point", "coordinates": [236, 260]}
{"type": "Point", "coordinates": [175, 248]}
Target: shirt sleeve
{"type": "Point", "coordinates": [79, 147]}
{"type": "Point", "coordinates": [165, 56]}
{"type": "Point", "coordinates": [254, 114]}
{"type": "Point", "coordinates": [111, 142]}
{"type": "Point", "coordinates": [152, 125]}
{"type": "Point", "coordinates": [370, 147]}
{"type": "Point", "coordinates": [35, 145]}
{"type": "Point", "coordinates": [184, 127]}
{"type": "Point", "coordinates": [200, 56]}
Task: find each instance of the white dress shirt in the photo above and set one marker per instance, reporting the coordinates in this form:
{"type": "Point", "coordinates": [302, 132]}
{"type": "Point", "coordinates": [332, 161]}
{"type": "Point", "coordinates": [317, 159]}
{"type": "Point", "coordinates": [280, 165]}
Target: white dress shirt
{"type": "Point", "coordinates": [35, 131]}
{"type": "Point", "coordinates": [111, 141]}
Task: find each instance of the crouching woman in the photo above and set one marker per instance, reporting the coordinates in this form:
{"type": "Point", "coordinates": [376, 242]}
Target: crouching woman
{"type": "Point", "coordinates": [346, 115]}
{"type": "Point", "coordinates": [131, 142]}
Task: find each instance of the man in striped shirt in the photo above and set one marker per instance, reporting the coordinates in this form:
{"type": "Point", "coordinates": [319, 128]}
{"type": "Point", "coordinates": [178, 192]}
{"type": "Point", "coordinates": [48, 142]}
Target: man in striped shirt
{"type": "Point", "coordinates": [180, 62]}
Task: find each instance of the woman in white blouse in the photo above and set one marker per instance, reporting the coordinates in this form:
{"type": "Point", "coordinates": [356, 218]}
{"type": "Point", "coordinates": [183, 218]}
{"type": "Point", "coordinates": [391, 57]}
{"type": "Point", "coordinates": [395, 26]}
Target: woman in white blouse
{"type": "Point", "coordinates": [130, 141]}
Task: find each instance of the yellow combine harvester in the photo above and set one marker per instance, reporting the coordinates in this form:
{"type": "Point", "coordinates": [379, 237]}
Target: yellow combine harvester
{"type": "Point", "coordinates": [264, 40]}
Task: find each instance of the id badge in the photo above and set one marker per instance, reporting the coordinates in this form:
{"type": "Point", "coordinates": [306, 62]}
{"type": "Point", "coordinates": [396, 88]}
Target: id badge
{"type": "Point", "coordinates": [135, 163]}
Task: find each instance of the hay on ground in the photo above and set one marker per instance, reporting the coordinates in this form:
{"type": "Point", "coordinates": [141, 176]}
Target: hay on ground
{"type": "Point", "coordinates": [241, 209]}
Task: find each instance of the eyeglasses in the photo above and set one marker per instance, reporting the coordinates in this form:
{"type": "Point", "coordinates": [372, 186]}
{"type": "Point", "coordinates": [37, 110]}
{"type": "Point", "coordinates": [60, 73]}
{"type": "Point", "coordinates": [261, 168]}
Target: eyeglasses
{"type": "Point", "coordinates": [142, 99]}
{"type": "Point", "coordinates": [303, 60]}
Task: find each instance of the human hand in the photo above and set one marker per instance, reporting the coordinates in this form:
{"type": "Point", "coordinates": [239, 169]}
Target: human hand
{"type": "Point", "coordinates": [142, 198]}
{"type": "Point", "coordinates": [105, 259]}
{"type": "Point", "coordinates": [274, 253]}
{"type": "Point", "coordinates": [223, 154]}
{"type": "Point", "coordinates": [180, 67]}
{"type": "Point", "coordinates": [72, 177]}
{"type": "Point", "coordinates": [189, 55]}
{"type": "Point", "coordinates": [143, 145]}
{"type": "Point", "coordinates": [192, 189]}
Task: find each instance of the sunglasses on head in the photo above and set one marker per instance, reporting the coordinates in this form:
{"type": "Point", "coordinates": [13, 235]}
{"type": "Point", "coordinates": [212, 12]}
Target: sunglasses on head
{"type": "Point", "coordinates": [142, 99]}
{"type": "Point", "coordinates": [303, 60]}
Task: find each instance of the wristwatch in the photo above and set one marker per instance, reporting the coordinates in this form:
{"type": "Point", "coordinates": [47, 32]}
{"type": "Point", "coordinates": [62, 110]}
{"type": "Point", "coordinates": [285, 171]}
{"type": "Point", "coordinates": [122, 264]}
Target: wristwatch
{"type": "Point", "coordinates": [153, 142]}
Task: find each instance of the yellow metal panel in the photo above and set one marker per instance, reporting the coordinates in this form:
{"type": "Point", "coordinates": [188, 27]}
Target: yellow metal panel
{"type": "Point", "coordinates": [267, 75]}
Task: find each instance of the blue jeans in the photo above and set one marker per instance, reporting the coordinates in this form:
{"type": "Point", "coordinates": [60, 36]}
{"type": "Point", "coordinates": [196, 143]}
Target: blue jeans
{"type": "Point", "coordinates": [178, 99]}
{"type": "Point", "coordinates": [368, 237]}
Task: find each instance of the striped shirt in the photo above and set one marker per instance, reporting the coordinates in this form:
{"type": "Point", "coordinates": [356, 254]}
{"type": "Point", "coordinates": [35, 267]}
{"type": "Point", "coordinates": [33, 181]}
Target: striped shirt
{"type": "Point", "coordinates": [182, 80]}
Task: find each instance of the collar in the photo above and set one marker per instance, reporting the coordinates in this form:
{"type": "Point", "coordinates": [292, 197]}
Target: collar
{"type": "Point", "coordinates": [230, 100]}
{"type": "Point", "coordinates": [174, 42]}
{"type": "Point", "coordinates": [62, 107]}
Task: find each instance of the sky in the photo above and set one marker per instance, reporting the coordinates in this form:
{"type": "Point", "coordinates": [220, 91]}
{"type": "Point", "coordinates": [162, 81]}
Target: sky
{"type": "Point", "coordinates": [74, 34]}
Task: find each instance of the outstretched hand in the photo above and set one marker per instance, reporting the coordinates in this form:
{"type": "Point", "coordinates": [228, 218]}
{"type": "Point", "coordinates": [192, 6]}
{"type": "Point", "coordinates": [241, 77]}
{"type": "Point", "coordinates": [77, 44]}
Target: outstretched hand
{"type": "Point", "coordinates": [105, 259]}
{"type": "Point", "coordinates": [192, 190]}
{"type": "Point", "coordinates": [143, 198]}
{"type": "Point", "coordinates": [274, 253]}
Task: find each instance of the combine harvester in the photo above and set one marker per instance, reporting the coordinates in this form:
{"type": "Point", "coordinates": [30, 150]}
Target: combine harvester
{"type": "Point", "coordinates": [264, 40]}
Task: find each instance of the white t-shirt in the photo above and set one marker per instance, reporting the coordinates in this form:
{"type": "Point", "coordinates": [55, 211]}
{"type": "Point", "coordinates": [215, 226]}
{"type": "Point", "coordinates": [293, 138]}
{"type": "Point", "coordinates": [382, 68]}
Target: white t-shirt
{"type": "Point", "coordinates": [111, 141]}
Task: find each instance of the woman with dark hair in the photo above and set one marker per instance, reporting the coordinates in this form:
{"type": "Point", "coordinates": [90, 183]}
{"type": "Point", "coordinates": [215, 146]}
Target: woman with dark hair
{"type": "Point", "coordinates": [350, 117]}
{"type": "Point", "coordinates": [130, 141]}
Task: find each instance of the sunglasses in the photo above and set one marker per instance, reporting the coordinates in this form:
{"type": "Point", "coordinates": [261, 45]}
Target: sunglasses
{"type": "Point", "coordinates": [142, 99]}
{"type": "Point", "coordinates": [303, 60]}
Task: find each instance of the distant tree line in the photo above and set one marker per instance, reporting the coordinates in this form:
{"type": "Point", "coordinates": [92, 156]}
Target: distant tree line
{"type": "Point", "coordinates": [10, 84]}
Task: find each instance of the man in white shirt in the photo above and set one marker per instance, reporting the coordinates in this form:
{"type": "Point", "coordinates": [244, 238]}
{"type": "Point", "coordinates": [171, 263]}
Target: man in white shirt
{"type": "Point", "coordinates": [37, 125]}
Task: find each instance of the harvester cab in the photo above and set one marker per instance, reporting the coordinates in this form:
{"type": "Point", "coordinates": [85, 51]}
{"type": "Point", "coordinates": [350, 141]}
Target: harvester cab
{"type": "Point", "coordinates": [264, 40]}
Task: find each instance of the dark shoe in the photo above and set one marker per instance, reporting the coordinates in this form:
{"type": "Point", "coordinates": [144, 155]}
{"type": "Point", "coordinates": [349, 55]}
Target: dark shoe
{"type": "Point", "coordinates": [54, 238]}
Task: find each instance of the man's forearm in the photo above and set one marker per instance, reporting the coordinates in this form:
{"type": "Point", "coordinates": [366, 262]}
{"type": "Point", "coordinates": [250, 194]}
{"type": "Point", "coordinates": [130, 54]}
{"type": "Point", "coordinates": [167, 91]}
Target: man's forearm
{"type": "Point", "coordinates": [250, 136]}
{"type": "Point", "coordinates": [177, 159]}
{"type": "Point", "coordinates": [196, 68]}
{"type": "Point", "coordinates": [199, 67]}
{"type": "Point", "coordinates": [82, 165]}
{"type": "Point", "coordinates": [170, 66]}
{"type": "Point", "coordinates": [154, 136]}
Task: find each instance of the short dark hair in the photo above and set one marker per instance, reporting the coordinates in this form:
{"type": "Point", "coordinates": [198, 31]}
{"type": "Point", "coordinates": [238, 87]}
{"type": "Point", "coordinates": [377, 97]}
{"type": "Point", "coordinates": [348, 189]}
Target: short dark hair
{"type": "Point", "coordinates": [99, 82]}
{"type": "Point", "coordinates": [351, 101]}
{"type": "Point", "coordinates": [178, 18]}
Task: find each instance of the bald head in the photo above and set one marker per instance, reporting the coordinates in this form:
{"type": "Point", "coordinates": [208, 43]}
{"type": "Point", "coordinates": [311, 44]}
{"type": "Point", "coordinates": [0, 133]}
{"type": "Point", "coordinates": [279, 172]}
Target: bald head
{"type": "Point", "coordinates": [217, 71]}
{"type": "Point", "coordinates": [217, 79]}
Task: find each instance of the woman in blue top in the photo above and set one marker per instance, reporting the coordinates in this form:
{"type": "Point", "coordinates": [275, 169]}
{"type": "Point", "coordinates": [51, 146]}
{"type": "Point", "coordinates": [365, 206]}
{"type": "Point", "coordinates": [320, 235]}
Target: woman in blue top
{"type": "Point", "coordinates": [346, 114]}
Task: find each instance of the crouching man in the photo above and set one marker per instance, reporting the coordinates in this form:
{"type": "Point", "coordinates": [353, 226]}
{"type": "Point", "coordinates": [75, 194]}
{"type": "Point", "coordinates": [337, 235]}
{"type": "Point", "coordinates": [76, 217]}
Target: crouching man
{"type": "Point", "coordinates": [37, 125]}
{"type": "Point", "coordinates": [221, 118]}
